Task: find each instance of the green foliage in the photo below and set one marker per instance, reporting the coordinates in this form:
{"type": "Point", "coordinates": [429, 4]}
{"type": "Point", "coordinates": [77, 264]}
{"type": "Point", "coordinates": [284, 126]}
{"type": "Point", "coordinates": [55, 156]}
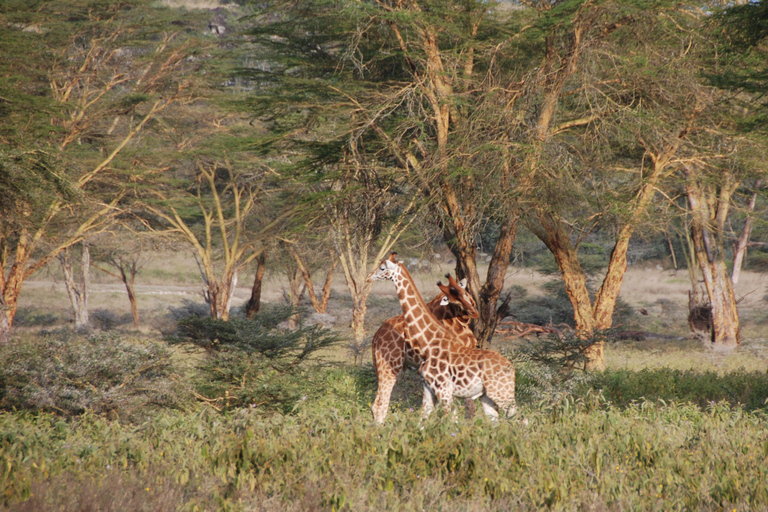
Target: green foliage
{"type": "Point", "coordinates": [741, 388]}
{"type": "Point", "coordinates": [562, 352]}
{"type": "Point", "coordinates": [570, 456]}
{"type": "Point", "coordinates": [29, 317]}
{"type": "Point", "coordinates": [71, 374]}
{"type": "Point", "coordinates": [256, 363]}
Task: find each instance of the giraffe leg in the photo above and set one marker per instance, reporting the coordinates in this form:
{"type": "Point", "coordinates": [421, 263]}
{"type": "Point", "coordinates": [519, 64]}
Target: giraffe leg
{"type": "Point", "coordinates": [383, 393]}
{"type": "Point", "coordinates": [387, 371]}
{"type": "Point", "coordinates": [489, 407]}
{"type": "Point", "coordinates": [469, 408]}
{"type": "Point", "coordinates": [445, 396]}
{"type": "Point", "coordinates": [428, 402]}
{"type": "Point", "coordinates": [503, 397]}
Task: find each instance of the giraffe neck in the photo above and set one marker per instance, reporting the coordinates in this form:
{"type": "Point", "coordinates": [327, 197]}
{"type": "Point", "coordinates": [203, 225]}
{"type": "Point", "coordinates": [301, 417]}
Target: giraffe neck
{"type": "Point", "coordinates": [417, 315]}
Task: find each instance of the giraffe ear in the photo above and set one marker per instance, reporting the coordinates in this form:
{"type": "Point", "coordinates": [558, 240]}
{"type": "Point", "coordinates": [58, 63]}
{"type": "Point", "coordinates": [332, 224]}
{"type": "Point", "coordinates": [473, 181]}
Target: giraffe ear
{"type": "Point", "coordinates": [444, 301]}
{"type": "Point", "coordinates": [391, 265]}
{"type": "Point", "coordinates": [463, 283]}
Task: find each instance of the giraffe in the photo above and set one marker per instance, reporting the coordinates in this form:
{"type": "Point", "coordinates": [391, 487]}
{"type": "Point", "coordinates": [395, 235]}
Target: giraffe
{"type": "Point", "coordinates": [448, 368]}
{"type": "Point", "coordinates": [454, 307]}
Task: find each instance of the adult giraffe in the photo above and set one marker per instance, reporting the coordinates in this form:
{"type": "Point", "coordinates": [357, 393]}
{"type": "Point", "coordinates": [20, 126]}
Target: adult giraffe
{"type": "Point", "coordinates": [454, 307]}
{"type": "Point", "coordinates": [448, 368]}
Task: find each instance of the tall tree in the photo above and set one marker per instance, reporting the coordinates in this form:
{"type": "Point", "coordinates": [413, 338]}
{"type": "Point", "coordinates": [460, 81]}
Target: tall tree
{"type": "Point", "coordinates": [216, 216]}
{"type": "Point", "coordinates": [80, 85]}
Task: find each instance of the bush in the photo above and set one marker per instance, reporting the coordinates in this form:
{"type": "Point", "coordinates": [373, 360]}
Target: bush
{"type": "Point", "coordinates": [27, 317]}
{"type": "Point", "coordinates": [255, 362]}
{"type": "Point", "coordinates": [107, 320]}
{"type": "Point", "coordinates": [70, 374]}
{"type": "Point", "coordinates": [622, 387]}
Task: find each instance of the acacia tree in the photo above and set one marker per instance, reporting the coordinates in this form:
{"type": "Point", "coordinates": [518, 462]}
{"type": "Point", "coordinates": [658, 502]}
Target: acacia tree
{"type": "Point", "coordinates": [711, 183]}
{"type": "Point", "coordinates": [404, 75]}
{"type": "Point", "coordinates": [123, 259]}
{"type": "Point", "coordinates": [639, 94]}
{"type": "Point", "coordinates": [319, 303]}
{"type": "Point", "coordinates": [217, 218]}
{"type": "Point", "coordinates": [77, 285]}
{"type": "Point", "coordinates": [81, 89]}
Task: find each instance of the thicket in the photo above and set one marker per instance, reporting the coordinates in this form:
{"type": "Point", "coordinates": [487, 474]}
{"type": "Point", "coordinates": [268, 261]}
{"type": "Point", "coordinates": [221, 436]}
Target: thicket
{"type": "Point", "coordinates": [257, 362]}
{"type": "Point", "coordinates": [70, 374]}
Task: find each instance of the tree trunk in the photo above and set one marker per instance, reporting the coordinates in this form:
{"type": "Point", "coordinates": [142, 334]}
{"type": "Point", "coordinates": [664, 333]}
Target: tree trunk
{"type": "Point", "coordinates": [321, 304]}
{"type": "Point", "coordinates": [10, 289]}
{"type": "Point", "coordinates": [726, 334]}
{"type": "Point", "coordinates": [740, 247]}
{"type": "Point", "coordinates": [326, 292]}
{"type": "Point", "coordinates": [494, 283]}
{"type": "Point", "coordinates": [5, 330]}
{"type": "Point", "coordinates": [5, 326]}
{"type": "Point", "coordinates": [359, 310]}
{"type": "Point", "coordinates": [552, 233]}
{"type": "Point", "coordinates": [709, 211]}
{"type": "Point", "coordinates": [129, 282]}
{"type": "Point", "coordinates": [78, 291]}
{"type": "Point", "coordinates": [218, 295]}
{"type": "Point", "coordinates": [295, 283]}
{"type": "Point", "coordinates": [253, 305]}
{"type": "Point", "coordinates": [134, 305]}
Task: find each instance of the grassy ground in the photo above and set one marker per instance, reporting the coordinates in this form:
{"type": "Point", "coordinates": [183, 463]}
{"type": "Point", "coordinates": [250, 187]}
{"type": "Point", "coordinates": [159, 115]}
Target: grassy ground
{"type": "Point", "coordinates": [670, 426]}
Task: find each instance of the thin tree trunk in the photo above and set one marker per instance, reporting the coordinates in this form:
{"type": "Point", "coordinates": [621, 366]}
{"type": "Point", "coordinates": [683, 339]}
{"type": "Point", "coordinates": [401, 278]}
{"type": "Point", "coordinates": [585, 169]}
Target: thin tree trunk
{"type": "Point", "coordinates": [77, 291]}
{"type": "Point", "coordinates": [134, 303]}
{"type": "Point", "coordinates": [129, 281]}
{"type": "Point", "coordinates": [740, 247]}
{"type": "Point", "coordinates": [326, 292]}
{"type": "Point", "coordinates": [232, 287]}
{"type": "Point", "coordinates": [321, 304]}
{"type": "Point", "coordinates": [5, 326]}
{"type": "Point", "coordinates": [494, 283]}
{"type": "Point", "coordinates": [295, 283]}
{"type": "Point", "coordinates": [253, 305]}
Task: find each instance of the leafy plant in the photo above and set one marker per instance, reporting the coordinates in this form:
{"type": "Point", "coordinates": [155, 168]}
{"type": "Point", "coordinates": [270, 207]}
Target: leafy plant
{"type": "Point", "coordinates": [71, 374]}
{"type": "Point", "coordinates": [255, 362]}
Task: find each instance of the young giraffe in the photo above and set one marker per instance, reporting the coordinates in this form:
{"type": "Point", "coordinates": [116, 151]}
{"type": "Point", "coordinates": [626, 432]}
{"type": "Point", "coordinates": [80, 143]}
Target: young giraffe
{"type": "Point", "coordinates": [448, 368]}
{"type": "Point", "coordinates": [454, 307]}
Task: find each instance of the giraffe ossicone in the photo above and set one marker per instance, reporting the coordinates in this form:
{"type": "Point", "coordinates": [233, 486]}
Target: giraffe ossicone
{"type": "Point", "coordinates": [449, 369]}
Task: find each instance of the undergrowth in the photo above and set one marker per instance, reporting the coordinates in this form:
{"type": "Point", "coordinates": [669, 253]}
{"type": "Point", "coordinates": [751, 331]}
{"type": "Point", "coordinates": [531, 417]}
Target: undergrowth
{"type": "Point", "coordinates": [620, 440]}
{"type": "Point", "coordinates": [69, 374]}
{"type": "Point", "coordinates": [577, 454]}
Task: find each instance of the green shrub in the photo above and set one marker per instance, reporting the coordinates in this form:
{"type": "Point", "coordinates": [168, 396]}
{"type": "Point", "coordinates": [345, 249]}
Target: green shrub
{"type": "Point", "coordinates": [28, 317]}
{"type": "Point", "coordinates": [567, 456]}
{"type": "Point", "coordinates": [107, 320]}
{"type": "Point", "coordinates": [741, 388]}
{"type": "Point", "coordinates": [257, 362]}
{"type": "Point", "coordinates": [70, 374]}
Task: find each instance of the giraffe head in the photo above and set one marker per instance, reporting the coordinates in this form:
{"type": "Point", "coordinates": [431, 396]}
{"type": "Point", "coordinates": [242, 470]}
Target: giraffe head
{"type": "Point", "coordinates": [387, 270]}
{"type": "Point", "coordinates": [456, 293]}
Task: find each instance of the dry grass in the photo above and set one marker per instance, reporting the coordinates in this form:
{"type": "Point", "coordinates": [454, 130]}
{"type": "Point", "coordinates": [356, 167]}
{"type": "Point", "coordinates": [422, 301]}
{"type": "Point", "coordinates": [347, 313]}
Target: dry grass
{"type": "Point", "coordinates": [170, 279]}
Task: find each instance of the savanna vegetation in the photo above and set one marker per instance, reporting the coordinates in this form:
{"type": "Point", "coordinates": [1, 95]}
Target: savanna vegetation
{"type": "Point", "coordinates": [192, 194]}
